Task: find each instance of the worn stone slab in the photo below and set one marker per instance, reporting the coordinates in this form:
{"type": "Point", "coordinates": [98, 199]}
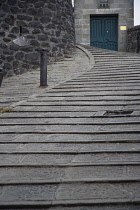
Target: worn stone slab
{"type": "Point", "coordinates": [69, 120]}
{"type": "Point", "coordinates": [56, 159]}
{"type": "Point", "coordinates": [107, 158]}
{"type": "Point", "coordinates": [104, 82]}
{"type": "Point", "coordinates": [31, 174]}
{"type": "Point", "coordinates": [70, 128]}
{"type": "Point", "coordinates": [112, 78]}
{"type": "Point", "coordinates": [66, 174]}
{"type": "Point", "coordinates": [94, 93]}
{"type": "Point", "coordinates": [102, 172]}
{"type": "Point", "coordinates": [85, 89]}
{"type": "Point", "coordinates": [72, 137]}
{"type": "Point", "coordinates": [130, 191]}
{"type": "Point", "coordinates": [37, 148]}
{"type": "Point", "coordinates": [81, 103]}
{"type": "Point", "coordinates": [67, 147]}
{"type": "Point", "coordinates": [69, 108]}
{"type": "Point", "coordinates": [8, 137]}
{"type": "Point", "coordinates": [100, 85]}
{"type": "Point", "coordinates": [35, 159]}
{"type": "Point", "coordinates": [71, 193]}
{"type": "Point", "coordinates": [39, 114]}
{"type": "Point", "coordinates": [111, 73]}
{"type": "Point", "coordinates": [14, 194]}
{"type": "Point", "coordinates": [111, 147]}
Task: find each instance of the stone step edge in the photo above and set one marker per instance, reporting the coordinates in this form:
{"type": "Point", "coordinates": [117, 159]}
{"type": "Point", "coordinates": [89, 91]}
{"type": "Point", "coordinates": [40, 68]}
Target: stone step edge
{"type": "Point", "coordinates": [64, 203]}
{"type": "Point", "coordinates": [73, 132]}
{"type": "Point", "coordinates": [133, 115]}
{"type": "Point", "coordinates": [76, 123]}
{"type": "Point", "coordinates": [67, 152]}
{"type": "Point", "coordinates": [69, 181]}
{"type": "Point", "coordinates": [126, 163]}
{"type": "Point", "coordinates": [72, 142]}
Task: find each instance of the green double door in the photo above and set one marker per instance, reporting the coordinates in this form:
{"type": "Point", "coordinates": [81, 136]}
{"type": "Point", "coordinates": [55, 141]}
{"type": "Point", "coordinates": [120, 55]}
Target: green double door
{"type": "Point", "coordinates": [104, 32]}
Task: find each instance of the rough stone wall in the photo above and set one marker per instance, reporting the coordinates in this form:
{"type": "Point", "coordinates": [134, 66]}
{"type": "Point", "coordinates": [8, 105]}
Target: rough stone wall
{"type": "Point", "coordinates": [45, 23]}
{"type": "Point", "coordinates": [133, 39]}
{"type": "Point", "coordinates": [85, 8]}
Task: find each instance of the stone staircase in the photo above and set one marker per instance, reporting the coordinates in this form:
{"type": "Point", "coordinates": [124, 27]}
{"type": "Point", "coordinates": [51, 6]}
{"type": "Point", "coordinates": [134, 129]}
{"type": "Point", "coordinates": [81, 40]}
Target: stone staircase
{"type": "Point", "coordinates": [76, 146]}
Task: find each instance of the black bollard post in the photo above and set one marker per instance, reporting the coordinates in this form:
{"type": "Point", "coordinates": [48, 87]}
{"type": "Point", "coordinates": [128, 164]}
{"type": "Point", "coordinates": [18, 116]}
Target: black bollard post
{"type": "Point", "coordinates": [1, 76]}
{"type": "Point", "coordinates": [43, 68]}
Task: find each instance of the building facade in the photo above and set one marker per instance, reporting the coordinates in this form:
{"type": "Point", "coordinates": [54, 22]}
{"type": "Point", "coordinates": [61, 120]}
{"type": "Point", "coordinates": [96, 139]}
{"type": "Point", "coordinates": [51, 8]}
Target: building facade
{"type": "Point", "coordinates": [103, 23]}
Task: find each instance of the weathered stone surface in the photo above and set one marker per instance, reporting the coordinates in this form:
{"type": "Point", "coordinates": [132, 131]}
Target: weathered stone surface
{"type": "Point", "coordinates": [28, 173]}
{"type": "Point", "coordinates": [2, 33]}
{"type": "Point", "coordinates": [101, 172]}
{"type": "Point", "coordinates": [7, 66]}
{"type": "Point", "coordinates": [97, 191]}
{"type": "Point", "coordinates": [6, 39]}
{"type": "Point", "coordinates": [28, 193]}
{"type": "Point", "coordinates": [36, 31]}
{"type": "Point", "coordinates": [36, 18]}
{"type": "Point", "coordinates": [3, 46]}
{"type": "Point", "coordinates": [133, 36]}
{"type": "Point", "coordinates": [36, 159]}
{"type": "Point", "coordinates": [31, 56]}
{"type": "Point", "coordinates": [5, 26]}
{"type": "Point", "coordinates": [10, 58]}
{"type": "Point", "coordinates": [12, 2]}
{"type": "Point", "coordinates": [42, 37]}
{"type": "Point", "coordinates": [34, 43]}
{"type": "Point", "coordinates": [9, 20]}
{"type": "Point", "coordinates": [15, 30]}
{"type": "Point", "coordinates": [15, 10]}
{"type": "Point", "coordinates": [19, 55]}
{"type": "Point", "coordinates": [106, 158]}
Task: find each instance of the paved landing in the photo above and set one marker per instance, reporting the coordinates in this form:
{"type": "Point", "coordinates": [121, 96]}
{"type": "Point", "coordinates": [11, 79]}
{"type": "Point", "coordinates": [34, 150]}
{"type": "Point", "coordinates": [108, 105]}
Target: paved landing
{"type": "Point", "coordinates": [76, 145]}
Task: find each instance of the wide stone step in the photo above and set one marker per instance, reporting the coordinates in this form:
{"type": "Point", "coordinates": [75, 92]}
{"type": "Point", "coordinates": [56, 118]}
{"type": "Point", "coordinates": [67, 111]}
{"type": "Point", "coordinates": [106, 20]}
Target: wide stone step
{"type": "Point", "coordinates": [119, 137]}
{"type": "Point", "coordinates": [135, 81]}
{"type": "Point", "coordinates": [95, 89]}
{"type": "Point", "coordinates": [78, 108]}
{"type": "Point", "coordinates": [92, 93]}
{"type": "Point", "coordinates": [51, 159]}
{"type": "Point", "coordinates": [81, 103]}
{"type": "Point", "coordinates": [109, 85]}
{"type": "Point", "coordinates": [110, 78]}
{"type": "Point", "coordinates": [110, 73]}
{"type": "Point", "coordinates": [17, 148]}
{"type": "Point", "coordinates": [68, 120]}
{"type": "Point", "coordinates": [68, 194]}
{"type": "Point", "coordinates": [51, 174]}
{"type": "Point", "coordinates": [72, 128]}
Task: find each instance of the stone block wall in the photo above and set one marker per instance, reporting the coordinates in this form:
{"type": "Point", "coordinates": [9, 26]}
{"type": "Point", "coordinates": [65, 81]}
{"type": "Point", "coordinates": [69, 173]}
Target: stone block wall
{"type": "Point", "coordinates": [45, 24]}
{"type": "Point", "coordinates": [133, 39]}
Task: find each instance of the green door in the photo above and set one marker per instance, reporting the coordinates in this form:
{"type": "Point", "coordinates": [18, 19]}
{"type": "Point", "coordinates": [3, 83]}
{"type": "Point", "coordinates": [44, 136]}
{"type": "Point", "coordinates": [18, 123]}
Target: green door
{"type": "Point", "coordinates": [104, 32]}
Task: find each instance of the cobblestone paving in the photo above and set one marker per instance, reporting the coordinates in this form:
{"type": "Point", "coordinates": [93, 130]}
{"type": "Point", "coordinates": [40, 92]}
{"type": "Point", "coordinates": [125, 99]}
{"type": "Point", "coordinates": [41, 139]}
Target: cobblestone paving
{"type": "Point", "coordinates": [76, 144]}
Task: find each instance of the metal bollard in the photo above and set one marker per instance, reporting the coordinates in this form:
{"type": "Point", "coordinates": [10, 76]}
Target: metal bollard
{"type": "Point", "coordinates": [1, 76]}
{"type": "Point", "coordinates": [43, 68]}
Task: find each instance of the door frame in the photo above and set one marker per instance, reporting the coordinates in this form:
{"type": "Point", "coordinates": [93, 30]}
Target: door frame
{"type": "Point", "coordinates": [106, 16]}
